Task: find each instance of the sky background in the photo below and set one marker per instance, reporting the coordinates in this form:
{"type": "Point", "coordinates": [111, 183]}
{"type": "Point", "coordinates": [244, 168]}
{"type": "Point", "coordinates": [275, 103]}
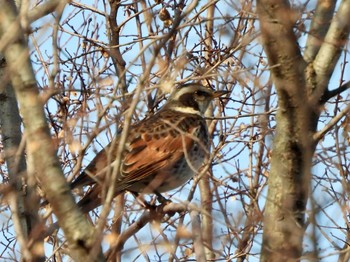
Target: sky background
{"type": "Point", "coordinates": [82, 66]}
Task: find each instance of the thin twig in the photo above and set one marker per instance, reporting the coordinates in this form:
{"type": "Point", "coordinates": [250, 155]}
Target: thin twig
{"type": "Point", "coordinates": [319, 135]}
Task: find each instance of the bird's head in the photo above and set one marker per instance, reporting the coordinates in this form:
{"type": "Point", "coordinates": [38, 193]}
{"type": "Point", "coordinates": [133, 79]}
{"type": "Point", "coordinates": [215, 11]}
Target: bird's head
{"type": "Point", "coordinates": [192, 98]}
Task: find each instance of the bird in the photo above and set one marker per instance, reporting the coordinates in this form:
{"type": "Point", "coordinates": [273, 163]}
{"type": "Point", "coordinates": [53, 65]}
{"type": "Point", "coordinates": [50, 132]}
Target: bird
{"type": "Point", "coordinates": [162, 152]}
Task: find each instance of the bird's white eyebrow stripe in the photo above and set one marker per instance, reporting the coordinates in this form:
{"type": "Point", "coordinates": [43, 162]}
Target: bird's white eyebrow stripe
{"type": "Point", "coordinates": [187, 110]}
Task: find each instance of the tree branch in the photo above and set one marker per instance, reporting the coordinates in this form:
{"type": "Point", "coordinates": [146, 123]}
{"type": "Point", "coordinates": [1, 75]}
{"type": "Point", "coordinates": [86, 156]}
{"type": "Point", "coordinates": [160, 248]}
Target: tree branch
{"type": "Point", "coordinates": [115, 53]}
{"type": "Point", "coordinates": [198, 240]}
{"type": "Point", "coordinates": [41, 155]}
{"type": "Point", "coordinates": [320, 134]}
{"type": "Point", "coordinates": [150, 214]}
{"type": "Point", "coordinates": [319, 27]}
{"type": "Point", "coordinates": [291, 159]}
{"type": "Point", "coordinates": [331, 93]}
{"type": "Point", "coordinates": [11, 135]}
{"type": "Point", "coordinates": [329, 53]}
{"type": "Point", "coordinates": [44, 9]}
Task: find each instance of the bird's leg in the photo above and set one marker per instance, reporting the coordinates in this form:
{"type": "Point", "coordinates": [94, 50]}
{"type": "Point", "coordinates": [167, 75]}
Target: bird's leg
{"type": "Point", "coordinates": [145, 204]}
{"type": "Point", "coordinates": [140, 199]}
{"type": "Point", "coordinates": [161, 199]}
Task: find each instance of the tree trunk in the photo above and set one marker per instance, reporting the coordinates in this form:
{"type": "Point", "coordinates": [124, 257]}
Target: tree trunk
{"type": "Point", "coordinates": [289, 176]}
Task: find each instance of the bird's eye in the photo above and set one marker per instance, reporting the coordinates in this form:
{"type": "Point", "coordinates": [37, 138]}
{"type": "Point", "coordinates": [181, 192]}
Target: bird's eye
{"type": "Point", "coordinates": [201, 94]}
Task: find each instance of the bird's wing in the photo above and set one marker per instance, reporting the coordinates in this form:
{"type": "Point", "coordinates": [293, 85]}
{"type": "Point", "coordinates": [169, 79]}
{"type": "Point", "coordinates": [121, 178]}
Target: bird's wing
{"type": "Point", "coordinates": [148, 154]}
{"type": "Point", "coordinates": [144, 155]}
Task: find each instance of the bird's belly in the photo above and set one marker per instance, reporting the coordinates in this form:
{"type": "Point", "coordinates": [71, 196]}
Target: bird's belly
{"type": "Point", "coordinates": [183, 171]}
{"type": "Point", "coordinates": [175, 178]}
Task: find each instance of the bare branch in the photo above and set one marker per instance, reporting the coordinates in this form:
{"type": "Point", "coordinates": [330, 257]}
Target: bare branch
{"type": "Point", "coordinates": [41, 154]}
{"type": "Point", "coordinates": [332, 93]}
{"type": "Point", "coordinates": [152, 213]}
{"type": "Point", "coordinates": [320, 134]}
{"type": "Point", "coordinates": [328, 55]}
{"type": "Point", "coordinates": [291, 159]}
{"type": "Point", "coordinates": [45, 9]}
{"type": "Point", "coordinates": [199, 245]}
{"type": "Point", "coordinates": [319, 27]}
{"type": "Point", "coordinates": [114, 31]}
{"type": "Point", "coordinates": [11, 135]}
{"type": "Point", "coordinates": [206, 232]}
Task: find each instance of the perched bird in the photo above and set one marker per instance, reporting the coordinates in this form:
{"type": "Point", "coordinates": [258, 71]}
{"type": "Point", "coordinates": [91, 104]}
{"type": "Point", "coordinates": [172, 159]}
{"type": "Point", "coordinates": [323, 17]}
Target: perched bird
{"type": "Point", "coordinates": [162, 152]}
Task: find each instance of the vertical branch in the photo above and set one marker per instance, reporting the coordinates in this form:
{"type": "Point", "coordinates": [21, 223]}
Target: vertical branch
{"type": "Point", "coordinates": [197, 237]}
{"type": "Point", "coordinates": [330, 50]}
{"type": "Point", "coordinates": [204, 182]}
{"type": "Point", "coordinates": [147, 18]}
{"type": "Point", "coordinates": [114, 51]}
{"type": "Point", "coordinates": [23, 202]}
{"type": "Point", "coordinates": [289, 179]}
{"type": "Point", "coordinates": [319, 26]}
{"type": "Point", "coordinates": [41, 155]}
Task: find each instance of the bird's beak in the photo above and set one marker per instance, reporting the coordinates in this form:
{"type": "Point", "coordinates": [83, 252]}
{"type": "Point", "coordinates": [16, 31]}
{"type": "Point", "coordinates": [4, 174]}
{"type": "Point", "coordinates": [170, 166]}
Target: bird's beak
{"type": "Point", "coordinates": [220, 93]}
